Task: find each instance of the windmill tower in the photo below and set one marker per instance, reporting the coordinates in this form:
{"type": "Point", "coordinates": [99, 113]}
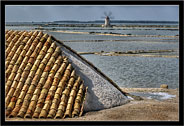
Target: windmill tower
{"type": "Point", "coordinates": [107, 22]}
{"type": "Point", "coordinates": [107, 19]}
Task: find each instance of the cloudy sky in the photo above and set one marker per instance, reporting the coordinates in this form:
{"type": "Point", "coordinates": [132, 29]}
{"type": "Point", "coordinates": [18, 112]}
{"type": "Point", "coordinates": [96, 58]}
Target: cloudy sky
{"type": "Point", "coordinates": [89, 13]}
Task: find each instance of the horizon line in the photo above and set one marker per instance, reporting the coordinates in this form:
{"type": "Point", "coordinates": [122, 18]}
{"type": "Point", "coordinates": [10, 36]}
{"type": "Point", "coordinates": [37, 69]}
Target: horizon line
{"type": "Point", "coordinates": [95, 20]}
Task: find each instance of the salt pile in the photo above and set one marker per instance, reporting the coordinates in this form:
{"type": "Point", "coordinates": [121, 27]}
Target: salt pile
{"type": "Point", "coordinates": [101, 94]}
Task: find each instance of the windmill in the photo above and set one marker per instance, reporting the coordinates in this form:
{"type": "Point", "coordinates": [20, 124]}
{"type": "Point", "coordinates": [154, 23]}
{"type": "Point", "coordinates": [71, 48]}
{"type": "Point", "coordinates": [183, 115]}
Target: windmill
{"type": "Point", "coordinates": [107, 19]}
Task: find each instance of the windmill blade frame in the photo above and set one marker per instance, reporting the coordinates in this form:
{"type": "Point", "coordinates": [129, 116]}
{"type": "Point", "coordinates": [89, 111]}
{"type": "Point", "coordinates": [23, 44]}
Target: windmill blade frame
{"type": "Point", "coordinates": [105, 13]}
{"type": "Point", "coordinates": [109, 14]}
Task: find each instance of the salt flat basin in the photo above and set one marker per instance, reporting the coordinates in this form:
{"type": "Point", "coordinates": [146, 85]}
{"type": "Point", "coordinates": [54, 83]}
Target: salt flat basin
{"type": "Point", "coordinates": [138, 72]}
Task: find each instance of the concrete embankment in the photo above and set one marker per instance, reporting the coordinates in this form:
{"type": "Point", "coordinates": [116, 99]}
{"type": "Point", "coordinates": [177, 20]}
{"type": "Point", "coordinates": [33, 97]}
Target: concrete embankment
{"type": "Point", "coordinates": [143, 53]}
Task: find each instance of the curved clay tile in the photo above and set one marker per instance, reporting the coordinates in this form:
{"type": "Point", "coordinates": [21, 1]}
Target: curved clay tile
{"type": "Point", "coordinates": [64, 98]}
{"type": "Point", "coordinates": [16, 56]}
{"type": "Point", "coordinates": [37, 92]}
{"type": "Point", "coordinates": [6, 31]}
{"type": "Point", "coordinates": [12, 44]}
{"type": "Point", "coordinates": [12, 50]}
{"type": "Point", "coordinates": [8, 34]}
{"type": "Point", "coordinates": [10, 38]}
{"type": "Point", "coordinates": [28, 82]}
{"type": "Point", "coordinates": [57, 96]}
{"type": "Point", "coordinates": [25, 74]}
{"type": "Point", "coordinates": [22, 65]}
{"type": "Point", "coordinates": [45, 86]}
{"type": "Point", "coordinates": [51, 90]}
{"type": "Point", "coordinates": [41, 83]}
{"type": "Point", "coordinates": [44, 75]}
{"type": "Point", "coordinates": [12, 74]}
{"type": "Point", "coordinates": [78, 101]}
{"type": "Point", "coordinates": [83, 101]}
{"type": "Point", "coordinates": [33, 72]}
{"type": "Point", "coordinates": [71, 98]}
{"type": "Point", "coordinates": [23, 53]}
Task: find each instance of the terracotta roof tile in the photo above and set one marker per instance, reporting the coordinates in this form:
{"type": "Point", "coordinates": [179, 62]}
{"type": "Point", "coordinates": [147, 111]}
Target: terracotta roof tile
{"type": "Point", "coordinates": [9, 37]}
{"type": "Point", "coordinates": [40, 82]}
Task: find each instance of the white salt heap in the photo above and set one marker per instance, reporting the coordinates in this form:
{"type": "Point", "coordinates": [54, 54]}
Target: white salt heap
{"type": "Point", "coordinates": [101, 93]}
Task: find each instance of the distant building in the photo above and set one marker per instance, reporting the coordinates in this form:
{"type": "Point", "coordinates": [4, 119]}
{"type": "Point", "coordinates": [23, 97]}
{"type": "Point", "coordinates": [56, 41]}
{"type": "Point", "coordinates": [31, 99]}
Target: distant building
{"type": "Point", "coordinates": [107, 22]}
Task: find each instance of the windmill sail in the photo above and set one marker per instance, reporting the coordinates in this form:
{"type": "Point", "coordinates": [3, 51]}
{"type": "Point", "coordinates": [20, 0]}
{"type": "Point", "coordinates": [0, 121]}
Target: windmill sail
{"type": "Point", "coordinates": [107, 17]}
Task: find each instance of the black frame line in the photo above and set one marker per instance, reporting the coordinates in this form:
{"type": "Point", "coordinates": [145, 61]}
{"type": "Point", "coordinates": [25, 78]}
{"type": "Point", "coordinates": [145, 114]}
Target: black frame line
{"type": "Point", "coordinates": [2, 64]}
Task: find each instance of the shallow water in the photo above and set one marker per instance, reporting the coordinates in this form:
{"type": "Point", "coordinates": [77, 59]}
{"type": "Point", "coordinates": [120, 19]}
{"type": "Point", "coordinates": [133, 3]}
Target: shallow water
{"type": "Point", "coordinates": [121, 46]}
{"type": "Point", "coordinates": [138, 72]}
{"type": "Point", "coordinates": [91, 37]}
{"type": "Point", "coordinates": [133, 31]}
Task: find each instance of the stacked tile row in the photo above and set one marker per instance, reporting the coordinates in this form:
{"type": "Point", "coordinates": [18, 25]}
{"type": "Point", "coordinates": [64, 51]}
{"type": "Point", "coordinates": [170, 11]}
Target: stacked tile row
{"type": "Point", "coordinates": [22, 82]}
{"type": "Point", "coordinates": [40, 82]}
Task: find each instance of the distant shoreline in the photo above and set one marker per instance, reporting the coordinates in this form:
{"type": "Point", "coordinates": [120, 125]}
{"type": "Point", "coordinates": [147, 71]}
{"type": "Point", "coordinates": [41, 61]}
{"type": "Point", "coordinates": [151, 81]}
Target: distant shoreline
{"type": "Point", "coordinates": [102, 21]}
{"type": "Point", "coordinates": [91, 24]}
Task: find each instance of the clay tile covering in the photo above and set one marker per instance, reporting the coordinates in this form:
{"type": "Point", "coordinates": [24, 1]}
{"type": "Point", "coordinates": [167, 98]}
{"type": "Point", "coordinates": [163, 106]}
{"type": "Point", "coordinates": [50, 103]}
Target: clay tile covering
{"type": "Point", "coordinates": [40, 81]}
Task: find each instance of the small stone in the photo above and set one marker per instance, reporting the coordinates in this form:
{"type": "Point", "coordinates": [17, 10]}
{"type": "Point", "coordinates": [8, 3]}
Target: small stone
{"type": "Point", "coordinates": [164, 86]}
